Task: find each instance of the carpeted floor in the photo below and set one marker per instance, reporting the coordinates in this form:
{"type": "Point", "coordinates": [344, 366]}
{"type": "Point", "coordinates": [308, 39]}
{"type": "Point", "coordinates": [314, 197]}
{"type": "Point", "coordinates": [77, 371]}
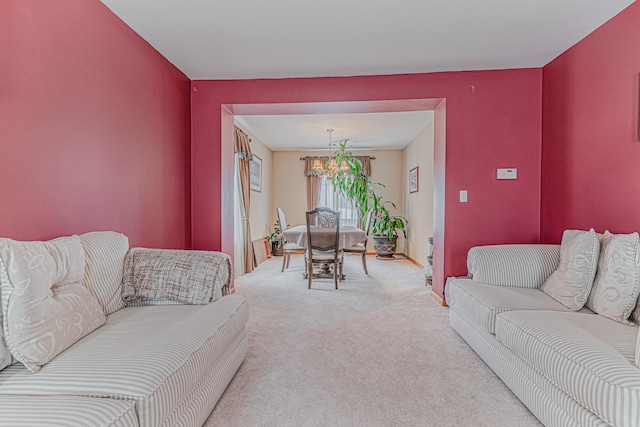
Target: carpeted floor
{"type": "Point", "coordinates": [377, 352]}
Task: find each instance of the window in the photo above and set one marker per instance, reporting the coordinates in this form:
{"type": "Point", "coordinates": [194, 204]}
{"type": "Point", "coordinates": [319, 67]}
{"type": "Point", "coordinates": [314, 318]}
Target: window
{"type": "Point", "coordinates": [335, 200]}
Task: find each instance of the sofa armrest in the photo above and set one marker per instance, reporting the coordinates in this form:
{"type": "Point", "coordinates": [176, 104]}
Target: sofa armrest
{"type": "Point", "coordinates": [523, 266]}
{"type": "Point", "coordinates": [166, 276]}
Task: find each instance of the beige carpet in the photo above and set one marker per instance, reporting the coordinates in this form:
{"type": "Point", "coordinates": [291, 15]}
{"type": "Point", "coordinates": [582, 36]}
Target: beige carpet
{"type": "Point", "coordinates": [377, 352]}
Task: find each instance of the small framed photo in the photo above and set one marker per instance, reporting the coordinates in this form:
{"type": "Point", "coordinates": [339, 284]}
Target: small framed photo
{"type": "Point", "coordinates": [413, 180]}
{"type": "Point", "coordinates": [255, 173]}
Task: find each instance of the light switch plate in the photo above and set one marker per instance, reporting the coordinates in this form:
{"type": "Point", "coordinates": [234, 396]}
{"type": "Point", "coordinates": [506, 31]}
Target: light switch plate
{"type": "Point", "coordinates": [463, 196]}
{"type": "Point", "coordinates": [507, 173]}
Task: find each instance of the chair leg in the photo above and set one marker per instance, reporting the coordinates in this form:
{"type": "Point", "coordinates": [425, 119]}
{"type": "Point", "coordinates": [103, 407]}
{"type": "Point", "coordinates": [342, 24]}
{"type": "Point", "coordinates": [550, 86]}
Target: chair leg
{"type": "Point", "coordinates": [336, 267]}
{"type": "Point", "coordinates": [364, 262]}
{"type": "Point", "coordinates": [310, 272]}
{"type": "Point", "coordinates": [288, 260]}
{"type": "Point", "coordinates": [284, 260]}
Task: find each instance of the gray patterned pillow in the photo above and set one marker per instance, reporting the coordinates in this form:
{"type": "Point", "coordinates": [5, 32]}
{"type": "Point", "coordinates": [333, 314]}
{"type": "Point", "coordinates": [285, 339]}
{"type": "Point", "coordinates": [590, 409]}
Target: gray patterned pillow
{"type": "Point", "coordinates": [161, 275]}
{"type": "Point", "coordinates": [45, 308]}
{"type": "Point", "coordinates": [616, 286]}
{"type": "Point", "coordinates": [571, 282]}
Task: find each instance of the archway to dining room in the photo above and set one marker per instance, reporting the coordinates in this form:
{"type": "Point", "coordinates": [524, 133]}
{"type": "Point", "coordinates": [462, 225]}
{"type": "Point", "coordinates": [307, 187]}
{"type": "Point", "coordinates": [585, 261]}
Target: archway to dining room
{"type": "Point", "coordinates": [230, 111]}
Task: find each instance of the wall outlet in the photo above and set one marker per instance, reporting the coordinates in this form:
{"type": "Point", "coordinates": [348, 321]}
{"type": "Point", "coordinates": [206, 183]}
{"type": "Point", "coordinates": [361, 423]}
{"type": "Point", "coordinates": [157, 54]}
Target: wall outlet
{"type": "Point", "coordinates": [507, 173]}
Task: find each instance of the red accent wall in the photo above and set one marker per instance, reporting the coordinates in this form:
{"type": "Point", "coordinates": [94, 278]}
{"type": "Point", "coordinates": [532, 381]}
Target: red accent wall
{"type": "Point", "coordinates": [492, 120]}
{"type": "Point", "coordinates": [94, 127]}
{"type": "Point", "coordinates": [590, 150]}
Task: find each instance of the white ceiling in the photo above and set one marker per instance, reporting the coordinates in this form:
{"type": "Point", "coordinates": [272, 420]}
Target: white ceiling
{"type": "Point", "coordinates": [246, 39]}
{"type": "Point", "coordinates": [241, 39]}
{"type": "Point", "coordinates": [364, 130]}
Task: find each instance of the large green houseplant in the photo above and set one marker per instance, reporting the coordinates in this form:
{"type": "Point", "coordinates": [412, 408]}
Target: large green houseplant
{"type": "Point", "coordinates": [356, 185]}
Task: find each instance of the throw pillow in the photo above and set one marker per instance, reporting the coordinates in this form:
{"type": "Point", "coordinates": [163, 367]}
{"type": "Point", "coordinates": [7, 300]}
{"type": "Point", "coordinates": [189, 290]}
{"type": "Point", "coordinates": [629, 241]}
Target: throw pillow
{"type": "Point", "coordinates": [636, 314]}
{"type": "Point", "coordinates": [616, 286]}
{"type": "Point", "coordinates": [571, 282]}
{"type": "Point", "coordinates": [45, 307]}
{"type": "Point", "coordinates": [190, 277]}
{"type": "Point", "coordinates": [6, 358]}
{"type": "Point", "coordinates": [104, 254]}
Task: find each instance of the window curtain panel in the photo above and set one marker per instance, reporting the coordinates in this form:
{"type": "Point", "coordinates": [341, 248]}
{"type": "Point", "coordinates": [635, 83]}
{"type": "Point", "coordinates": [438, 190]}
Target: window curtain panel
{"type": "Point", "coordinates": [366, 163]}
{"type": "Point", "coordinates": [314, 180]}
{"type": "Point", "coordinates": [243, 151]}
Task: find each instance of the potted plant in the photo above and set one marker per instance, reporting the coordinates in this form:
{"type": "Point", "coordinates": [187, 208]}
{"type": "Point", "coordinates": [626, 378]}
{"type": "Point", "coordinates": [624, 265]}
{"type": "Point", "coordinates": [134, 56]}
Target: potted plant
{"type": "Point", "coordinates": [385, 228]}
{"type": "Point", "coordinates": [276, 240]}
{"type": "Point", "coordinates": [356, 184]}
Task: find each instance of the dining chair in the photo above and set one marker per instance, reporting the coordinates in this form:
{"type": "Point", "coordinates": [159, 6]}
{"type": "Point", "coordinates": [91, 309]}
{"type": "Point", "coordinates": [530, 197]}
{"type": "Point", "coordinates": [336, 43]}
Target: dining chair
{"type": "Point", "coordinates": [361, 248]}
{"type": "Point", "coordinates": [287, 248]}
{"type": "Point", "coordinates": [323, 242]}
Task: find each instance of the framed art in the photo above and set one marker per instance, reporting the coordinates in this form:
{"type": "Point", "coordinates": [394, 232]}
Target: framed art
{"type": "Point", "coordinates": [255, 173]}
{"type": "Point", "coordinates": [413, 180]}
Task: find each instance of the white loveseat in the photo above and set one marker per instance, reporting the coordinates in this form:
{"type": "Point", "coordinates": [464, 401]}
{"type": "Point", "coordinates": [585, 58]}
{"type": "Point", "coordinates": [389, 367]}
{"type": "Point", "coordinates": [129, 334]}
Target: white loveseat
{"type": "Point", "coordinates": [151, 361]}
{"type": "Point", "coordinates": [569, 367]}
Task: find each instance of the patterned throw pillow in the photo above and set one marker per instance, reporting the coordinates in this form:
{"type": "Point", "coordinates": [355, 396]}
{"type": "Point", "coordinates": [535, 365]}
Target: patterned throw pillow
{"type": "Point", "coordinates": [162, 275]}
{"type": "Point", "coordinates": [636, 316]}
{"type": "Point", "coordinates": [6, 358]}
{"type": "Point", "coordinates": [616, 286]}
{"type": "Point", "coordinates": [45, 307]}
{"type": "Point", "coordinates": [571, 282]}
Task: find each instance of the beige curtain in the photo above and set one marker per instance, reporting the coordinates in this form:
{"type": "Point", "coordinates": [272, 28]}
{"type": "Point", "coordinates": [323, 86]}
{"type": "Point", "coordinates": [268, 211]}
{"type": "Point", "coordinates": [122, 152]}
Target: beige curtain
{"type": "Point", "coordinates": [314, 178]}
{"type": "Point", "coordinates": [313, 181]}
{"type": "Point", "coordinates": [243, 151]}
{"type": "Point", "coordinates": [366, 163]}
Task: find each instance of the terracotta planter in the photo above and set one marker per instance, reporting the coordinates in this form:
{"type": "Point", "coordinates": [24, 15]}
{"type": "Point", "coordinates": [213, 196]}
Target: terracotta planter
{"type": "Point", "coordinates": [384, 247]}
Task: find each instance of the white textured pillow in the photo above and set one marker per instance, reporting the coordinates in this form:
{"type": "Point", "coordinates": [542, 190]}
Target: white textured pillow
{"type": "Point", "coordinates": [45, 308]}
{"type": "Point", "coordinates": [104, 254]}
{"type": "Point", "coordinates": [571, 282]}
{"type": "Point", "coordinates": [638, 351]}
{"type": "Point", "coordinates": [636, 313]}
{"type": "Point", "coordinates": [616, 286]}
{"type": "Point", "coordinates": [6, 358]}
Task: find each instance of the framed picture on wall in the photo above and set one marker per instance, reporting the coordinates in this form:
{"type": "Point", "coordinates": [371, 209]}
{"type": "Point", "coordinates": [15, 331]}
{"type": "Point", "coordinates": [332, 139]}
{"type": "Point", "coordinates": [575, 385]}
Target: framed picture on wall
{"type": "Point", "coordinates": [413, 180]}
{"type": "Point", "coordinates": [255, 173]}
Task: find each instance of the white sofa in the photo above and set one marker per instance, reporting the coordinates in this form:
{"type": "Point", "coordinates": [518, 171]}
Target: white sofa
{"type": "Point", "coordinates": [153, 362]}
{"type": "Point", "coordinates": [570, 368]}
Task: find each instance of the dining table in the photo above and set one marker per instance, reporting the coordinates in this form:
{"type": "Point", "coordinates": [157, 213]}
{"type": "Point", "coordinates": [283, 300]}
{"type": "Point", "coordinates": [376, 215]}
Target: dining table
{"type": "Point", "coordinates": [349, 235]}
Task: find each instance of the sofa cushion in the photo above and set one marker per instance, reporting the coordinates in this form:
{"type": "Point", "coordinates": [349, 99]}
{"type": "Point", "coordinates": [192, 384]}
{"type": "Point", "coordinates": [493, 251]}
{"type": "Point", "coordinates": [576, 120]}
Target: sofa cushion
{"type": "Point", "coordinates": [617, 283]}
{"type": "Point", "coordinates": [587, 356]}
{"type": "Point", "coordinates": [571, 282]}
{"type": "Point", "coordinates": [66, 411]}
{"type": "Point", "coordinates": [483, 302]}
{"type": "Point", "coordinates": [524, 266]}
{"type": "Point", "coordinates": [45, 307]}
{"type": "Point", "coordinates": [152, 355]}
{"type": "Point", "coordinates": [104, 254]}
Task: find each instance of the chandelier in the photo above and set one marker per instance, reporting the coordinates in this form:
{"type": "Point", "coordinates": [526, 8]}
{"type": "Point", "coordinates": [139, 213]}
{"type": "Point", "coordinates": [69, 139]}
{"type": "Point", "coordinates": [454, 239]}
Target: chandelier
{"type": "Point", "coordinates": [331, 168]}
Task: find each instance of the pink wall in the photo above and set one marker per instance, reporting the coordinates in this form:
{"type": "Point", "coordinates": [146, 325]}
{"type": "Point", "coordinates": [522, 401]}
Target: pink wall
{"type": "Point", "coordinates": [492, 120]}
{"type": "Point", "coordinates": [590, 151]}
{"type": "Point", "coordinates": [94, 127]}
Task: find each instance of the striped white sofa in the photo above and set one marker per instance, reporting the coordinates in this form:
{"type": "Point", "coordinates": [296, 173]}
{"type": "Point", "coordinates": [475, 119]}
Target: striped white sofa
{"type": "Point", "coordinates": [570, 368]}
{"type": "Point", "coordinates": [152, 363]}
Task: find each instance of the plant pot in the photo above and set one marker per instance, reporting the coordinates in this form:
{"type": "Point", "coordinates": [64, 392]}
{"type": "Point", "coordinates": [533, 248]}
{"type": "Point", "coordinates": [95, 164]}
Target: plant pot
{"type": "Point", "coordinates": [384, 247]}
{"type": "Point", "coordinates": [276, 249]}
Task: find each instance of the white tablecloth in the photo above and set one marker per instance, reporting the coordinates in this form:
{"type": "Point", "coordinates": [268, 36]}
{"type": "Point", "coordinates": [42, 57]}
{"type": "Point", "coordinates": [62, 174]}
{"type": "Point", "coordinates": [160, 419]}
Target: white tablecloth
{"type": "Point", "coordinates": [349, 235]}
